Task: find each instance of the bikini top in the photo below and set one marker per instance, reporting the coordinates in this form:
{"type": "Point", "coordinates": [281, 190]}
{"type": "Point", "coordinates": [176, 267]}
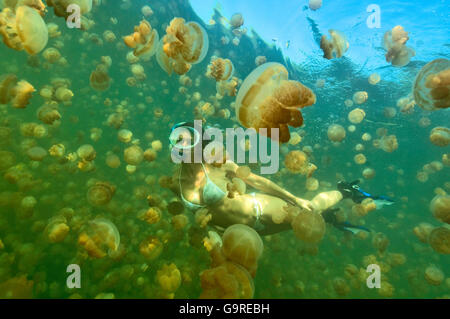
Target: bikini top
{"type": "Point", "coordinates": [211, 193]}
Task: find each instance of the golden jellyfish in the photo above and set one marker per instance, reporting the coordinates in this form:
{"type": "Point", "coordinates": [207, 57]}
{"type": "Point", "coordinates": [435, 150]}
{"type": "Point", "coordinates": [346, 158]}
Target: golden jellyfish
{"type": "Point", "coordinates": [109, 36]}
{"type": "Point", "coordinates": [242, 245]}
{"type": "Point", "coordinates": [360, 97]}
{"type": "Point", "coordinates": [100, 193]}
{"type": "Point", "coordinates": [169, 278]}
{"type": "Point", "coordinates": [388, 143]}
{"type": "Point", "coordinates": [440, 136]}
{"type": "Point", "coordinates": [134, 155]}
{"type": "Point", "coordinates": [439, 240]}
{"type": "Point", "coordinates": [151, 215]}
{"type": "Point", "coordinates": [336, 133]}
{"type": "Point", "coordinates": [184, 44]}
{"type": "Point", "coordinates": [17, 92]}
{"type": "Point", "coordinates": [348, 103]}
{"type": "Point", "coordinates": [309, 226]}
{"type": "Point", "coordinates": [440, 207]}
{"type": "Point", "coordinates": [112, 160]}
{"type": "Point", "coordinates": [157, 145]}
{"type": "Point", "coordinates": [296, 162]}
{"type": "Point", "coordinates": [144, 40]}
{"type": "Point", "coordinates": [57, 229]}
{"type": "Point", "coordinates": [48, 114]}
{"type": "Point", "coordinates": [389, 112]}
{"type": "Point", "coordinates": [432, 85]}
{"type": "Point", "coordinates": [151, 247]}
{"type": "Point", "coordinates": [227, 281]}
{"type": "Point", "coordinates": [366, 137]}
{"type": "Point", "coordinates": [446, 159]}
{"type": "Point", "coordinates": [394, 42]}
{"type": "Point", "coordinates": [335, 47]}
{"type": "Point", "coordinates": [150, 155]}
{"type": "Point", "coordinates": [386, 289]}
{"type": "Point", "coordinates": [434, 275]}
{"type": "Point", "coordinates": [374, 78]}
{"type": "Point", "coordinates": [99, 237]}
{"type": "Point", "coordinates": [52, 55]}
{"type": "Point", "coordinates": [267, 99]}
{"type": "Point", "coordinates": [23, 30]}
{"type": "Point", "coordinates": [312, 184]}
{"type": "Point", "coordinates": [57, 150]}
{"type": "Point", "coordinates": [315, 4]}
{"type": "Point", "coordinates": [260, 59]}
{"type": "Point", "coordinates": [99, 79]}
{"type": "Point", "coordinates": [220, 69]}
{"type": "Point", "coordinates": [179, 221]}
{"type": "Point", "coordinates": [295, 139]}
{"type": "Point", "coordinates": [146, 11]}
{"type": "Point", "coordinates": [236, 20]}
{"type": "Point", "coordinates": [340, 286]}
{"type": "Point", "coordinates": [138, 72]}
{"type": "Point", "coordinates": [360, 159]}
{"type": "Point", "coordinates": [86, 152]}
{"type": "Point", "coordinates": [36, 153]}
{"type": "Point", "coordinates": [368, 173]}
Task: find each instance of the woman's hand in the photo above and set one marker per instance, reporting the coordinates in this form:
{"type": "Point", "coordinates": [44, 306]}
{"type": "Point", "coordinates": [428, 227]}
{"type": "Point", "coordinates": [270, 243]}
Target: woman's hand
{"type": "Point", "coordinates": [305, 204]}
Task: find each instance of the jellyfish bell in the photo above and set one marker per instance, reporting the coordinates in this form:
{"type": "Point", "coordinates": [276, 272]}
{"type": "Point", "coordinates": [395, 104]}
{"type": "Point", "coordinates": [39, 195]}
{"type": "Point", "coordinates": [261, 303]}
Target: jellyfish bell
{"type": "Point", "coordinates": [432, 85]}
{"type": "Point", "coordinates": [267, 99]}
{"type": "Point", "coordinates": [335, 47]}
{"type": "Point", "coordinates": [99, 237]}
{"type": "Point", "coordinates": [309, 226]}
{"type": "Point", "coordinates": [243, 245]}
{"type": "Point", "coordinates": [439, 240]}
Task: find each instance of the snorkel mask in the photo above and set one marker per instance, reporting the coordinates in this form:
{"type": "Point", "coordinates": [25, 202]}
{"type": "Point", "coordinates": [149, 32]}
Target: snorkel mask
{"type": "Point", "coordinates": [184, 136]}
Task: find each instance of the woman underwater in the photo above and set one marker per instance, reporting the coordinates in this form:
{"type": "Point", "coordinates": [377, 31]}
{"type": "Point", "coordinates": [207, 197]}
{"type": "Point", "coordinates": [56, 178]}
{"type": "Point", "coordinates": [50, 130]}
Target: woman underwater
{"type": "Point", "coordinates": [203, 185]}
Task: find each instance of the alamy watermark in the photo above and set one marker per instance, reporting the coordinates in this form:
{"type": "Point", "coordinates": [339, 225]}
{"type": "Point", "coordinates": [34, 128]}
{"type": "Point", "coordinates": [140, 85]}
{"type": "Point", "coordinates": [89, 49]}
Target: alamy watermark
{"type": "Point", "coordinates": [235, 140]}
{"type": "Point", "coordinates": [374, 19]}
{"type": "Point", "coordinates": [374, 279]}
{"type": "Point", "coordinates": [74, 19]}
{"type": "Point", "coordinates": [74, 279]}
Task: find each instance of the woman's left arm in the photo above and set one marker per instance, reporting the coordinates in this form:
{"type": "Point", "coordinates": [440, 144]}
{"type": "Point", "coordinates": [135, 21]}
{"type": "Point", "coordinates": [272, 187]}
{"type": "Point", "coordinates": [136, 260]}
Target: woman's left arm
{"type": "Point", "coordinates": [267, 186]}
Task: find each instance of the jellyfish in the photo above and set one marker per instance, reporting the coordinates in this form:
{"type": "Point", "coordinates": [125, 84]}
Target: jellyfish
{"type": "Point", "coordinates": [151, 248]}
{"type": "Point", "coordinates": [227, 281]}
{"type": "Point", "coordinates": [169, 278]}
{"type": "Point", "coordinates": [309, 226]}
{"type": "Point", "coordinates": [99, 237]}
{"type": "Point", "coordinates": [184, 44]}
{"type": "Point", "coordinates": [315, 4]}
{"type": "Point", "coordinates": [57, 229]}
{"type": "Point", "coordinates": [151, 215]}
{"type": "Point", "coordinates": [360, 97]}
{"type": "Point", "coordinates": [17, 92]}
{"type": "Point", "coordinates": [134, 155]}
{"type": "Point", "coordinates": [100, 193]}
{"type": "Point", "coordinates": [388, 143]}
{"type": "Point", "coordinates": [434, 275]}
{"type": "Point", "coordinates": [432, 85]}
{"type": "Point", "coordinates": [267, 99]}
{"type": "Point", "coordinates": [296, 162]}
{"type": "Point", "coordinates": [236, 20]}
{"type": "Point", "coordinates": [242, 245]}
{"type": "Point", "coordinates": [440, 207]}
{"type": "Point", "coordinates": [374, 78]}
{"type": "Point", "coordinates": [440, 136]}
{"type": "Point", "coordinates": [99, 78]}
{"type": "Point", "coordinates": [36, 153]}
{"type": "Point", "coordinates": [394, 42]}
{"type": "Point", "coordinates": [220, 69]}
{"type": "Point", "coordinates": [336, 133]}
{"type": "Point", "coordinates": [335, 47]}
{"type": "Point", "coordinates": [340, 286]}
{"type": "Point", "coordinates": [439, 240]}
{"type": "Point", "coordinates": [60, 6]}
{"type": "Point", "coordinates": [144, 40]}
{"type": "Point", "coordinates": [380, 242]}
{"type": "Point", "coordinates": [23, 30]}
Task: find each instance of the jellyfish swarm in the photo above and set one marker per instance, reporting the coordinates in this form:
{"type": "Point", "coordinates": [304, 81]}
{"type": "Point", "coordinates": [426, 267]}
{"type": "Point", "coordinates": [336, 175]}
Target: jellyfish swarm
{"type": "Point", "coordinates": [267, 99]}
{"type": "Point", "coordinates": [242, 245]}
{"type": "Point", "coordinates": [144, 40]}
{"type": "Point", "coordinates": [394, 41]}
{"type": "Point", "coordinates": [184, 44]}
{"type": "Point", "coordinates": [335, 47]}
{"type": "Point", "coordinates": [99, 238]}
{"type": "Point", "coordinates": [432, 85]}
{"type": "Point", "coordinates": [227, 281]}
{"type": "Point", "coordinates": [23, 29]}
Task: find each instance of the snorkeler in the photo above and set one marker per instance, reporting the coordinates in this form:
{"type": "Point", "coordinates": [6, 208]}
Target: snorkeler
{"type": "Point", "coordinates": [357, 195]}
{"type": "Point", "coordinates": [329, 216]}
{"type": "Point", "coordinates": [203, 185]}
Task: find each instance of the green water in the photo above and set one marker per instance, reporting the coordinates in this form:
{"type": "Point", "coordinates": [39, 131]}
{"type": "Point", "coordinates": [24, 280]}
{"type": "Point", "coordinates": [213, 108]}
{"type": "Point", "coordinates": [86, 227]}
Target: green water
{"type": "Point", "coordinates": [31, 266]}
